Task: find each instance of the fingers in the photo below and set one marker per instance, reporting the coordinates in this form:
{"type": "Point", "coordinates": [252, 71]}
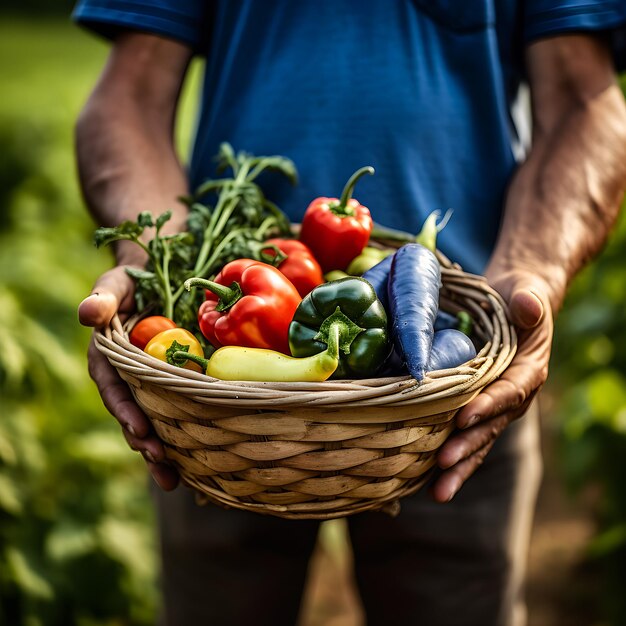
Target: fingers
{"type": "Point", "coordinates": [153, 453]}
{"type": "Point", "coordinates": [450, 481]}
{"type": "Point", "coordinates": [116, 394]}
{"type": "Point", "coordinates": [510, 394]}
{"type": "Point", "coordinates": [150, 446]}
{"type": "Point", "coordinates": [525, 375]}
{"type": "Point", "coordinates": [119, 401]}
{"type": "Point", "coordinates": [165, 476]}
{"type": "Point", "coordinates": [464, 444]}
{"type": "Point", "coordinates": [484, 418]}
{"type": "Point", "coordinates": [525, 309]}
{"type": "Point", "coordinates": [464, 453]}
{"type": "Point", "coordinates": [112, 293]}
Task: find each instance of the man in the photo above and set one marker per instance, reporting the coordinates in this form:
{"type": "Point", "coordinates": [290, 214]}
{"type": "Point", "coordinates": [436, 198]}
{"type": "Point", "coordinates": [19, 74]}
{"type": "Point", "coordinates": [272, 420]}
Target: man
{"type": "Point", "coordinates": [423, 91]}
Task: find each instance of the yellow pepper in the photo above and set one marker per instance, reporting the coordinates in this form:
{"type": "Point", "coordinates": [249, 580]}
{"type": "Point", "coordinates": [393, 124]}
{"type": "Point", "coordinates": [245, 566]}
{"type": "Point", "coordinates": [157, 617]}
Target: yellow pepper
{"type": "Point", "coordinates": [260, 364]}
{"type": "Point", "coordinates": [172, 340]}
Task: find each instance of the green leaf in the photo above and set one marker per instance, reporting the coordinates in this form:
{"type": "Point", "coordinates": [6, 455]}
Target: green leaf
{"type": "Point", "coordinates": [64, 365]}
{"type": "Point", "coordinates": [10, 499]}
{"type": "Point", "coordinates": [127, 230]}
{"type": "Point", "coordinates": [611, 540]}
{"type": "Point", "coordinates": [589, 316]}
{"type": "Point", "coordinates": [201, 211]}
{"type": "Point", "coordinates": [100, 447]}
{"type": "Point", "coordinates": [186, 310]}
{"type": "Point", "coordinates": [145, 219]}
{"type": "Point", "coordinates": [7, 451]}
{"type": "Point", "coordinates": [26, 437]}
{"type": "Point", "coordinates": [163, 218]}
{"type": "Point", "coordinates": [600, 350]}
{"type": "Point", "coordinates": [127, 543]}
{"type": "Point", "coordinates": [606, 392]}
{"type": "Point", "coordinates": [180, 242]}
{"type": "Point", "coordinates": [13, 360]}
{"type": "Point", "coordinates": [27, 345]}
{"type": "Point", "coordinates": [68, 540]}
{"type": "Point", "coordinates": [279, 164]}
{"type": "Point", "coordinates": [26, 575]}
{"type": "Point", "coordinates": [226, 158]}
{"type": "Point", "coordinates": [139, 274]}
{"type": "Point", "coordinates": [619, 421]}
{"type": "Point", "coordinates": [210, 185]}
{"type": "Point", "coordinates": [187, 200]}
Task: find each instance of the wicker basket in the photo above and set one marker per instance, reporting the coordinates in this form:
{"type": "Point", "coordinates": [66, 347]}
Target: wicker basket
{"type": "Point", "coordinates": [314, 450]}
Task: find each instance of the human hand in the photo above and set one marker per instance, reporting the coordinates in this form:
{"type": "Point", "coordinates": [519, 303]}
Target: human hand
{"type": "Point", "coordinates": [113, 293]}
{"type": "Point", "coordinates": [483, 419]}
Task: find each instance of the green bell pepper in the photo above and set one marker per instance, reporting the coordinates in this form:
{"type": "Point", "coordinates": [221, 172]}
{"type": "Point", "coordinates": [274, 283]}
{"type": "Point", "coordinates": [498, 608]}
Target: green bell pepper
{"type": "Point", "coordinates": [364, 342]}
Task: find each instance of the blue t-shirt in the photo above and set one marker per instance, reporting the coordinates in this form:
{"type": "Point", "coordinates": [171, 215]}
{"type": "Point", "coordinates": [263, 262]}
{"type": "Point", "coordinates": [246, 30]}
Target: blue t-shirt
{"type": "Point", "coordinates": [420, 89]}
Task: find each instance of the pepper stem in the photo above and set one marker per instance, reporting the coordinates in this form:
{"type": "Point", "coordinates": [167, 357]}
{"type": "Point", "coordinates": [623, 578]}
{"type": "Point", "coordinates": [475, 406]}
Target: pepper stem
{"type": "Point", "coordinates": [274, 259]}
{"type": "Point", "coordinates": [333, 341]}
{"type": "Point", "coordinates": [431, 228]}
{"type": "Point", "coordinates": [342, 208]}
{"type": "Point", "coordinates": [346, 329]}
{"type": "Point", "coordinates": [228, 296]}
{"type": "Point", "coordinates": [180, 356]}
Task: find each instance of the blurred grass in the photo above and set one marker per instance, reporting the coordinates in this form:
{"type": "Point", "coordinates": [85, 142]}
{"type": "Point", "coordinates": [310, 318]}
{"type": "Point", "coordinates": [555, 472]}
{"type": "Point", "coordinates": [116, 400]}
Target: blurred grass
{"type": "Point", "coordinates": [77, 541]}
{"type": "Point", "coordinates": [49, 68]}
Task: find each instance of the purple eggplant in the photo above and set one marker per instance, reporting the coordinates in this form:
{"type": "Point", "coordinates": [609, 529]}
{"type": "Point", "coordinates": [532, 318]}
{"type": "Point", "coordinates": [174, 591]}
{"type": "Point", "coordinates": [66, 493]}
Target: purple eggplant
{"type": "Point", "coordinates": [413, 291]}
{"type": "Point", "coordinates": [446, 320]}
{"type": "Point", "coordinates": [450, 348]}
{"type": "Point", "coordinates": [378, 277]}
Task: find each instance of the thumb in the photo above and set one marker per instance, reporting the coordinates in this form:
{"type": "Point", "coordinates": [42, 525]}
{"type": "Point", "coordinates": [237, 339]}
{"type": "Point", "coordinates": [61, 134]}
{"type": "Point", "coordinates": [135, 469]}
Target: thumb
{"type": "Point", "coordinates": [526, 308]}
{"type": "Point", "coordinates": [112, 293]}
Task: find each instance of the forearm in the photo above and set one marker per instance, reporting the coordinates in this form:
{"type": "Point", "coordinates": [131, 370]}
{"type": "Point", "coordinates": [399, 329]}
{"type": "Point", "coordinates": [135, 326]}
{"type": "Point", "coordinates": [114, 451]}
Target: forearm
{"type": "Point", "coordinates": [565, 198]}
{"type": "Point", "coordinates": [127, 164]}
{"type": "Point", "coordinates": [126, 157]}
{"type": "Point", "coordinates": [124, 171]}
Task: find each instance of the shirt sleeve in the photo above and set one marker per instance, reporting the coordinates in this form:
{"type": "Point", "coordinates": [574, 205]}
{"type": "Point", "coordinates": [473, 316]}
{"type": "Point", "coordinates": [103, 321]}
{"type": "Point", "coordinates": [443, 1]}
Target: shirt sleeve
{"type": "Point", "coordinates": [183, 20]}
{"type": "Point", "coordinates": [545, 18]}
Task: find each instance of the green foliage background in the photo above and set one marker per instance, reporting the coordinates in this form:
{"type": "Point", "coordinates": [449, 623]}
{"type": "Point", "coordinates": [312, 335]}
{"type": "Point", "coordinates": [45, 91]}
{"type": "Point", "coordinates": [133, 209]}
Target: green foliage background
{"type": "Point", "coordinates": [588, 380]}
{"type": "Point", "coordinates": [77, 541]}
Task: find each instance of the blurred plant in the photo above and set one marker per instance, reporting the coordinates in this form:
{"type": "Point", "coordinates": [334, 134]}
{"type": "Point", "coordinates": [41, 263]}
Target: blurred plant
{"type": "Point", "coordinates": [76, 524]}
{"type": "Point", "coordinates": [589, 370]}
{"type": "Point", "coordinates": [76, 527]}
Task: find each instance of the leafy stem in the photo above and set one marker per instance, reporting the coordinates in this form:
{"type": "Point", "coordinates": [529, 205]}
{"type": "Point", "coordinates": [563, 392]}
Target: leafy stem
{"type": "Point", "coordinates": [168, 305]}
{"type": "Point", "coordinates": [211, 232]}
{"type": "Point", "coordinates": [205, 269]}
{"type": "Point", "coordinates": [240, 219]}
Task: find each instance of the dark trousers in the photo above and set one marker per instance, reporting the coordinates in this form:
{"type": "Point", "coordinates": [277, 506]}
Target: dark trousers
{"type": "Point", "coordinates": [456, 564]}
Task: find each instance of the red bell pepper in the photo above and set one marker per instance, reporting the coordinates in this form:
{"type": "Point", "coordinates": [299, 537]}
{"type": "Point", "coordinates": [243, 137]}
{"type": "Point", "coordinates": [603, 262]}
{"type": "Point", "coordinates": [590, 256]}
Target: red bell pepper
{"type": "Point", "coordinates": [300, 266]}
{"type": "Point", "coordinates": [337, 230]}
{"type": "Point", "coordinates": [249, 304]}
